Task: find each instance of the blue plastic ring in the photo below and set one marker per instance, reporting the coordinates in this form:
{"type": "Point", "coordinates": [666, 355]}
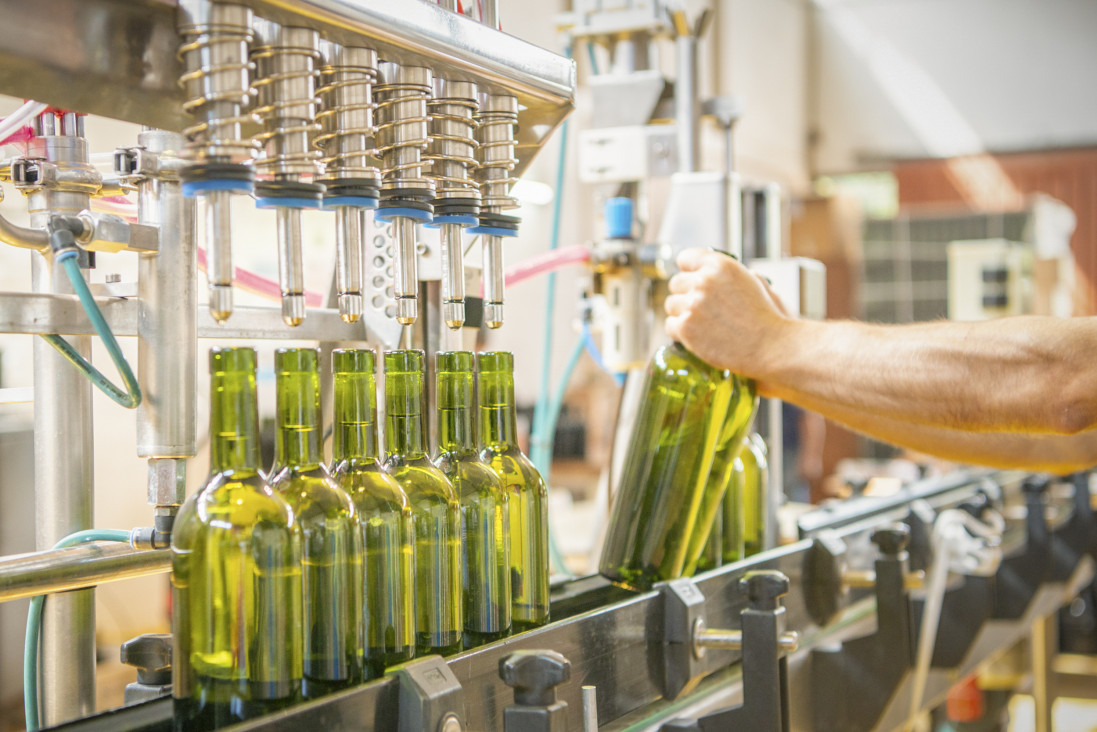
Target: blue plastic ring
{"type": "Point", "coordinates": [492, 231]}
{"type": "Point", "coordinates": [192, 188]}
{"type": "Point", "coordinates": [390, 213]}
{"type": "Point", "coordinates": [278, 202]}
{"type": "Point", "coordinates": [446, 219]}
{"type": "Point", "coordinates": [333, 202]}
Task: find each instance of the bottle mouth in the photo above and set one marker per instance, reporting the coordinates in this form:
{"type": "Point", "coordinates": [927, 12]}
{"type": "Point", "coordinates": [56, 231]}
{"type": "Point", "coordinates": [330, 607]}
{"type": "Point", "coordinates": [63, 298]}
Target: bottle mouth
{"type": "Point", "coordinates": [237, 359]}
{"type": "Point", "coordinates": [404, 362]}
{"type": "Point", "coordinates": [492, 361]}
{"type": "Point", "coordinates": [454, 361]}
{"type": "Point", "coordinates": [296, 359]}
{"type": "Point", "coordinates": [352, 360]}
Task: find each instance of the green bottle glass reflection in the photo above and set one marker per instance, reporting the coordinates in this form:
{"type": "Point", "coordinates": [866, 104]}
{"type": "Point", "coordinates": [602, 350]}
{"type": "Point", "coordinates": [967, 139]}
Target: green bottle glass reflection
{"type": "Point", "coordinates": [485, 518]}
{"type": "Point", "coordinates": [732, 542]}
{"type": "Point", "coordinates": [386, 531]}
{"type": "Point", "coordinates": [659, 505]}
{"type": "Point", "coordinates": [434, 506]}
{"type": "Point", "coordinates": [755, 482]}
{"type": "Point", "coordinates": [236, 571]}
{"type": "Point", "coordinates": [740, 416]}
{"type": "Point", "coordinates": [330, 555]}
{"type": "Point", "coordinates": [527, 495]}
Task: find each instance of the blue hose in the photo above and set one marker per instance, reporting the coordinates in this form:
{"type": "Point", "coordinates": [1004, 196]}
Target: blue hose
{"type": "Point", "coordinates": [596, 355]}
{"type": "Point", "coordinates": [34, 623]}
{"type": "Point", "coordinates": [129, 398]}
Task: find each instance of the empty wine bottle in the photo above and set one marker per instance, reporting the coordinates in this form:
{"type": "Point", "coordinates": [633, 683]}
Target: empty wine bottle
{"type": "Point", "coordinates": [386, 531]}
{"type": "Point", "coordinates": [712, 555]}
{"type": "Point", "coordinates": [670, 453]}
{"type": "Point", "coordinates": [732, 546]}
{"type": "Point", "coordinates": [485, 520]}
{"type": "Point", "coordinates": [755, 490]}
{"type": "Point", "coordinates": [330, 554]}
{"type": "Point", "coordinates": [527, 495]}
{"type": "Point", "coordinates": [236, 571]}
{"type": "Point", "coordinates": [434, 507]}
{"type": "Point", "coordinates": [740, 416]}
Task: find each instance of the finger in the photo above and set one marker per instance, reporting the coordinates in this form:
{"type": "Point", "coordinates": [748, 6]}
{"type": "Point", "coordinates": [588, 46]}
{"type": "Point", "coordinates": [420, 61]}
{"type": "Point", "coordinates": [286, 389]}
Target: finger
{"type": "Point", "coordinates": [676, 305]}
{"type": "Point", "coordinates": [682, 283]}
{"type": "Point", "coordinates": [692, 259]}
{"type": "Point", "coordinates": [673, 327]}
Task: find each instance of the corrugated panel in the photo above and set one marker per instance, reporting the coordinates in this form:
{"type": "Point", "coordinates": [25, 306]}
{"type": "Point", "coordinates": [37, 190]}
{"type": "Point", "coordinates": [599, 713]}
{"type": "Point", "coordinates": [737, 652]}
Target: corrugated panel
{"type": "Point", "coordinates": [1068, 175]}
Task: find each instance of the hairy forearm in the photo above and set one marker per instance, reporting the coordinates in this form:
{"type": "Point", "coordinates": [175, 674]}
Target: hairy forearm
{"type": "Point", "coordinates": [1020, 375]}
{"type": "Point", "coordinates": [1059, 454]}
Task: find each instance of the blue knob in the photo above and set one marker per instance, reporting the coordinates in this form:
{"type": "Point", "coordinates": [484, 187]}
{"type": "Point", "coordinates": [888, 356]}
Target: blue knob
{"type": "Point", "coordinates": [618, 213]}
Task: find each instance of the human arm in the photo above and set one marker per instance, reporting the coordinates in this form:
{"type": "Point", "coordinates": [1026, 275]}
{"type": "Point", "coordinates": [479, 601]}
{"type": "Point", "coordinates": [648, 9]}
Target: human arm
{"type": "Point", "coordinates": [1019, 375]}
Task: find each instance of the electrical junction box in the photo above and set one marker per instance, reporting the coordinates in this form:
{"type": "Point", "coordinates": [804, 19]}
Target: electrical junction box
{"type": "Point", "coordinates": [623, 154]}
{"type": "Point", "coordinates": [989, 278]}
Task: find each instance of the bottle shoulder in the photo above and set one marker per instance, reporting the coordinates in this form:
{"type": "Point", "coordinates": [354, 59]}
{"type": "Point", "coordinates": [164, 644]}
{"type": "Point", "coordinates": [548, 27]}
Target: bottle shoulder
{"type": "Point", "coordinates": [370, 488]}
{"type": "Point", "coordinates": [311, 490]}
{"type": "Point", "coordinates": [514, 468]}
{"type": "Point", "coordinates": [421, 479]}
{"type": "Point", "coordinates": [471, 476]}
{"type": "Point", "coordinates": [236, 502]}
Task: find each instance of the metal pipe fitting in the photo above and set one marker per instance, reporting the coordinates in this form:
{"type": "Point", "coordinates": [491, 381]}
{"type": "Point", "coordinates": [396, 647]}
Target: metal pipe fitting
{"type": "Point", "coordinates": [496, 134]}
{"type": "Point", "coordinates": [350, 175]}
{"type": "Point", "coordinates": [286, 60]}
{"type": "Point", "coordinates": [402, 138]}
{"type": "Point", "coordinates": [457, 197]}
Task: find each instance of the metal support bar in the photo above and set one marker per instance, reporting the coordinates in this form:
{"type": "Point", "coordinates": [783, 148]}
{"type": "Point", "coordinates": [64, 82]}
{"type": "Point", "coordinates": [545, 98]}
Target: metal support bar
{"type": "Point", "coordinates": [76, 568]}
{"type": "Point", "coordinates": [36, 313]}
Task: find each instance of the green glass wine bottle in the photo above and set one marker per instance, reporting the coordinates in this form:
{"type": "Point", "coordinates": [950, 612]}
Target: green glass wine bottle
{"type": "Point", "coordinates": [236, 571]}
{"type": "Point", "coordinates": [740, 416]}
{"type": "Point", "coordinates": [527, 495]}
{"type": "Point", "coordinates": [732, 543]}
{"type": "Point", "coordinates": [330, 556]}
{"type": "Point", "coordinates": [485, 519]}
{"type": "Point", "coordinates": [386, 531]}
{"type": "Point", "coordinates": [755, 490]}
{"type": "Point", "coordinates": [670, 453]}
{"type": "Point", "coordinates": [434, 506]}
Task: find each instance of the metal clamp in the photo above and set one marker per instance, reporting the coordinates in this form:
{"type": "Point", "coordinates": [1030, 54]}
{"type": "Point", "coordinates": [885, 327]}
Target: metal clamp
{"type": "Point", "coordinates": [1021, 574]}
{"type": "Point", "coordinates": [879, 662]}
{"type": "Point", "coordinates": [764, 643]}
{"type": "Point", "coordinates": [150, 654]}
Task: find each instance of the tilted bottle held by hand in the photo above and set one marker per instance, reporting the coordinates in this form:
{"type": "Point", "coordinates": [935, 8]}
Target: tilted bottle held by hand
{"type": "Point", "coordinates": [720, 507]}
{"type": "Point", "coordinates": [434, 506]}
{"type": "Point", "coordinates": [236, 571]}
{"type": "Point", "coordinates": [386, 530]}
{"type": "Point", "coordinates": [330, 553]}
{"type": "Point", "coordinates": [527, 495]}
{"type": "Point", "coordinates": [662, 501]}
{"type": "Point", "coordinates": [485, 520]}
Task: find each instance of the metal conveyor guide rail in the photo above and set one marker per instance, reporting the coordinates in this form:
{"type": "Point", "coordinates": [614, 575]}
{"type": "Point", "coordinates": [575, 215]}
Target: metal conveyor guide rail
{"type": "Point", "coordinates": [617, 641]}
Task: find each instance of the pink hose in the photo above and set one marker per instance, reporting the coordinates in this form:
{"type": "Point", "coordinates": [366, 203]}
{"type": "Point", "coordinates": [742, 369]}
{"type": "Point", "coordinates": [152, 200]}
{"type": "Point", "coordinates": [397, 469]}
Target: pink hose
{"type": "Point", "coordinates": [543, 263]}
{"type": "Point", "coordinates": [259, 285]}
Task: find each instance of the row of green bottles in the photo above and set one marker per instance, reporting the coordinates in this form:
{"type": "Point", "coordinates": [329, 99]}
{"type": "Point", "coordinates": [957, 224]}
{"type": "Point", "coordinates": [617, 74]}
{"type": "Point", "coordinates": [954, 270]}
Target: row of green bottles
{"type": "Point", "coordinates": [663, 512]}
{"type": "Point", "coordinates": [317, 579]}
{"type": "Point", "coordinates": [236, 571]}
{"type": "Point", "coordinates": [739, 529]}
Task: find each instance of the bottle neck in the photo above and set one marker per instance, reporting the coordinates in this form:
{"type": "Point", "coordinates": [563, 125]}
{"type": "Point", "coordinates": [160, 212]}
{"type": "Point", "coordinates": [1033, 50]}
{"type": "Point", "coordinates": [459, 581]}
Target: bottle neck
{"type": "Point", "coordinates": [498, 421]}
{"type": "Point", "coordinates": [355, 431]}
{"type": "Point", "coordinates": [299, 436]}
{"type": "Point", "coordinates": [234, 422]}
{"type": "Point", "coordinates": [455, 408]}
{"type": "Point", "coordinates": [404, 433]}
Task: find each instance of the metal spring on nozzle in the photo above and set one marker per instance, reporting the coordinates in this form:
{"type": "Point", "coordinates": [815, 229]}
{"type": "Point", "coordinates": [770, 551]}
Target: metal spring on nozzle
{"type": "Point", "coordinates": [401, 136]}
{"type": "Point", "coordinates": [279, 93]}
{"type": "Point", "coordinates": [453, 145]}
{"type": "Point", "coordinates": [217, 135]}
{"type": "Point", "coordinates": [497, 119]}
{"type": "Point", "coordinates": [346, 116]}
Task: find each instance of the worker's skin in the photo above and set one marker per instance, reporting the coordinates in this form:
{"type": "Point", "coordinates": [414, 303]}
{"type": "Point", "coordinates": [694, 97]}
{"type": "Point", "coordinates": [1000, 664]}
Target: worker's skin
{"type": "Point", "coordinates": [1014, 392]}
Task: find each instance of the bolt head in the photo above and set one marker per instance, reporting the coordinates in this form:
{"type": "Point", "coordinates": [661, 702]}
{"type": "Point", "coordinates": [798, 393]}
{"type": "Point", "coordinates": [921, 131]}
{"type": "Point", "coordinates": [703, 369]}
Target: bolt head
{"type": "Point", "coordinates": [151, 651]}
{"type": "Point", "coordinates": [891, 539]}
{"type": "Point", "coordinates": [764, 587]}
{"type": "Point", "coordinates": [534, 669]}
